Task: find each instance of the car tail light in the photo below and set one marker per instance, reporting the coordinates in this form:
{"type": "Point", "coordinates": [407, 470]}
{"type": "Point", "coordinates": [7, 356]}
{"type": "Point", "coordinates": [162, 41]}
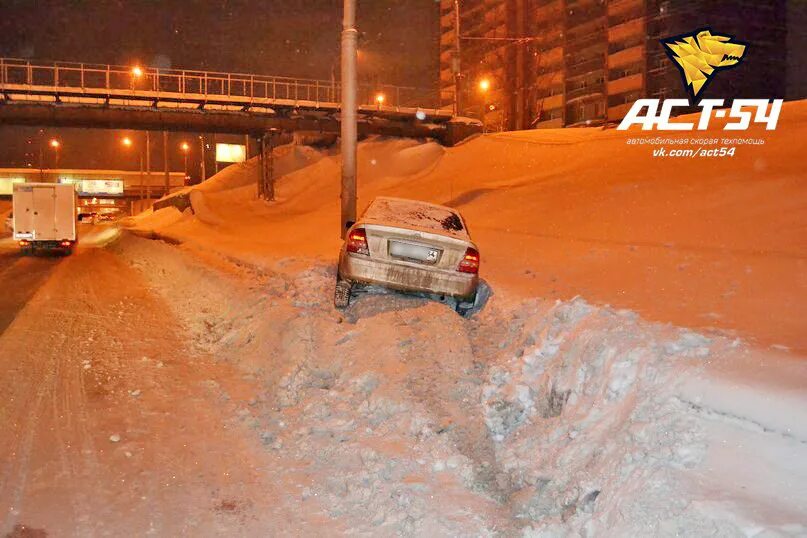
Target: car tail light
{"type": "Point", "coordinates": [65, 243]}
{"type": "Point", "coordinates": [469, 262]}
{"type": "Point", "coordinates": [357, 242]}
{"type": "Point", "coordinates": [24, 243]}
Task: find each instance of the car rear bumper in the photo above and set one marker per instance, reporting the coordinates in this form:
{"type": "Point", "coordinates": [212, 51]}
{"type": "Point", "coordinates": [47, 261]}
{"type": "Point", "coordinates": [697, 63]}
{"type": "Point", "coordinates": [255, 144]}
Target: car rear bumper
{"type": "Point", "coordinates": [407, 277]}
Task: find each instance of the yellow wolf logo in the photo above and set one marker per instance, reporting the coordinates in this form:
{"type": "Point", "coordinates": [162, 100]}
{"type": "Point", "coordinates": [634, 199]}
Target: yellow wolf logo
{"type": "Point", "coordinates": [700, 54]}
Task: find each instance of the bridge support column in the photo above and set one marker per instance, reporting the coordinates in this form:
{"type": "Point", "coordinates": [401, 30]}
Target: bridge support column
{"type": "Point", "coordinates": [266, 184]}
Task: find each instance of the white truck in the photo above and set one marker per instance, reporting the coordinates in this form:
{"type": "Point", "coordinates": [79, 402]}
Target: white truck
{"type": "Point", "coordinates": [44, 216]}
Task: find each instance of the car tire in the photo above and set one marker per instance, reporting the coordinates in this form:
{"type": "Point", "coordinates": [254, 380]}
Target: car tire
{"type": "Point", "coordinates": [465, 307]}
{"type": "Point", "coordinates": [341, 293]}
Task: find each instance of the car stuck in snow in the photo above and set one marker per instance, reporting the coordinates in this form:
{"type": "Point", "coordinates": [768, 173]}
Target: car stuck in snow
{"type": "Point", "coordinates": [409, 246]}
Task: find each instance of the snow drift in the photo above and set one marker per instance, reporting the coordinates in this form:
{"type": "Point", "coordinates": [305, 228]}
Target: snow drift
{"type": "Point", "coordinates": [539, 417]}
{"type": "Point", "coordinates": [547, 414]}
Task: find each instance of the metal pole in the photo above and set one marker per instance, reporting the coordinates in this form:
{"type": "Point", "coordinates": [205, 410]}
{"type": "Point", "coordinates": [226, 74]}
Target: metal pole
{"type": "Point", "coordinates": [456, 65]}
{"type": "Point", "coordinates": [202, 153]}
{"type": "Point", "coordinates": [165, 163]}
{"type": "Point", "coordinates": [215, 161]}
{"type": "Point", "coordinates": [520, 119]}
{"type": "Point", "coordinates": [41, 160]}
{"type": "Point", "coordinates": [148, 165]}
{"type": "Point", "coordinates": [348, 120]}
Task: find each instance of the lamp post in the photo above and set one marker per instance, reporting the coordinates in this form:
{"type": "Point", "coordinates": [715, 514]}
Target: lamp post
{"type": "Point", "coordinates": [484, 87]}
{"type": "Point", "coordinates": [185, 147]}
{"type": "Point", "coordinates": [128, 143]}
{"type": "Point", "coordinates": [55, 146]}
{"type": "Point", "coordinates": [456, 62]}
{"type": "Point", "coordinates": [202, 161]}
{"type": "Point", "coordinates": [349, 126]}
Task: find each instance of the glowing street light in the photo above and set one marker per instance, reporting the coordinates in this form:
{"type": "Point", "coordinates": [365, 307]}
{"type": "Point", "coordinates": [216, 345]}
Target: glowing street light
{"type": "Point", "coordinates": [127, 142]}
{"type": "Point", "coordinates": [379, 98]}
{"type": "Point", "coordinates": [484, 86]}
{"type": "Point", "coordinates": [55, 144]}
{"type": "Point", "coordinates": [185, 147]}
{"type": "Point", "coordinates": [137, 71]}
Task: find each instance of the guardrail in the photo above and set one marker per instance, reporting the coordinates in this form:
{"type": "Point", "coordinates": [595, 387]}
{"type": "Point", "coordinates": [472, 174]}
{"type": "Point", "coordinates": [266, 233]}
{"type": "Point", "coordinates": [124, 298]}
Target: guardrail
{"type": "Point", "coordinates": [213, 84]}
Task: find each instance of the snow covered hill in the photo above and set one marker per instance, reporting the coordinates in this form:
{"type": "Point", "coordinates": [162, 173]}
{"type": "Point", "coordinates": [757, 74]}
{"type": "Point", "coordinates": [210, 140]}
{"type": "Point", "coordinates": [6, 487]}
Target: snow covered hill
{"type": "Point", "coordinates": [677, 410]}
{"type": "Point", "coordinates": [697, 242]}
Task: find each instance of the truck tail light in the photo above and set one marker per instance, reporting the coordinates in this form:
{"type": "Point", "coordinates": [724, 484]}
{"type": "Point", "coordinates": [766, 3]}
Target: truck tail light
{"type": "Point", "coordinates": [24, 242]}
{"type": "Point", "coordinates": [469, 262]}
{"type": "Point", "coordinates": [357, 242]}
{"type": "Point", "coordinates": [65, 243]}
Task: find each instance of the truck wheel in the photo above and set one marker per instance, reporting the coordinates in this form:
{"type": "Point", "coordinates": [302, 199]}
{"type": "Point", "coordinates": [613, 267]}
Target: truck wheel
{"type": "Point", "coordinates": [341, 293]}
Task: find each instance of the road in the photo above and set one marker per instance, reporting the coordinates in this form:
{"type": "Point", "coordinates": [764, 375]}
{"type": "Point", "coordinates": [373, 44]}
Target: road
{"type": "Point", "coordinates": [20, 277]}
{"type": "Point", "coordinates": [106, 431]}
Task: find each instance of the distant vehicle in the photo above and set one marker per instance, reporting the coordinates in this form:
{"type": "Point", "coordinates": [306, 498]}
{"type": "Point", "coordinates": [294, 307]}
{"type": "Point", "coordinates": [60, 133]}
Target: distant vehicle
{"type": "Point", "coordinates": [106, 217]}
{"type": "Point", "coordinates": [410, 246]}
{"type": "Point", "coordinates": [44, 216]}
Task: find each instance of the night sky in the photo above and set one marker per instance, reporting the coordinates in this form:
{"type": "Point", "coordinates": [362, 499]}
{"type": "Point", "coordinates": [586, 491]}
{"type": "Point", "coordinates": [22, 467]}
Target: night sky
{"type": "Point", "coordinates": [398, 44]}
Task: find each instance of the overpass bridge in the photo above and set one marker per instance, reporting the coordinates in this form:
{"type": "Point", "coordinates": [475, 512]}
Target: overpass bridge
{"type": "Point", "coordinates": [64, 94]}
{"type": "Point", "coordinates": [106, 96]}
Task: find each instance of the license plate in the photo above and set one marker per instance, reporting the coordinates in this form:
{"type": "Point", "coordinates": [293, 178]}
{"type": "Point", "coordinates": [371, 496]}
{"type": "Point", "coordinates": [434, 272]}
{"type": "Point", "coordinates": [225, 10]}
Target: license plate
{"type": "Point", "coordinates": [419, 253]}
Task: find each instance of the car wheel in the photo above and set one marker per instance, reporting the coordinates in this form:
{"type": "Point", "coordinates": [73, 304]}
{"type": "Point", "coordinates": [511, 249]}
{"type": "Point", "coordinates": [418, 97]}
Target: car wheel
{"type": "Point", "coordinates": [465, 307]}
{"type": "Point", "coordinates": [341, 293]}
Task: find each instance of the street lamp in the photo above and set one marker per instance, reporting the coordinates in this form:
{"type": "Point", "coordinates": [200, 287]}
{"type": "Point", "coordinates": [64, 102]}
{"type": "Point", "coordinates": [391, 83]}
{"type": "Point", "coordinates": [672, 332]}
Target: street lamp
{"type": "Point", "coordinates": [379, 99]}
{"type": "Point", "coordinates": [137, 73]}
{"type": "Point", "coordinates": [56, 146]}
{"type": "Point", "coordinates": [484, 87]}
{"type": "Point", "coordinates": [185, 147]}
{"type": "Point", "coordinates": [128, 143]}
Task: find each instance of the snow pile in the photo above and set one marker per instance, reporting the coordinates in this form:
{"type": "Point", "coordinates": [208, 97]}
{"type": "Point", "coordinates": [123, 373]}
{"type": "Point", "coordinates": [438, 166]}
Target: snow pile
{"type": "Point", "coordinates": [539, 416]}
{"type": "Point", "coordinates": [587, 426]}
{"type": "Point", "coordinates": [536, 417]}
{"type": "Point", "coordinates": [696, 242]}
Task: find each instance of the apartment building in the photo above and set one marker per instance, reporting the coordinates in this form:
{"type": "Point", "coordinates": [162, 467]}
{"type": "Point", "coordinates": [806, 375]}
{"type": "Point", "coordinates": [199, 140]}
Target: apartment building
{"type": "Point", "coordinates": [556, 63]}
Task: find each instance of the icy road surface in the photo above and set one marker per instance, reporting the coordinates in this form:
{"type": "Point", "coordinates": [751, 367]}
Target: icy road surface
{"type": "Point", "coordinates": [111, 425]}
{"type": "Point", "coordinates": [154, 389]}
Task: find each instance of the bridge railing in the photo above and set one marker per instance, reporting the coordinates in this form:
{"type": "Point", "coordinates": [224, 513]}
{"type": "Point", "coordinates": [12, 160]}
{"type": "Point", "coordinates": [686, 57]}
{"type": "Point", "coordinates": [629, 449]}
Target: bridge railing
{"type": "Point", "coordinates": [123, 80]}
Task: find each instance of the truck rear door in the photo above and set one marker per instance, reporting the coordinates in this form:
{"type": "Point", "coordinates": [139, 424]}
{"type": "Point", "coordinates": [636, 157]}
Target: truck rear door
{"type": "Point", "coordinates": [44, 207]}
{"type": "Point", "coordinates": [64, 216]}
{"type": "Point", "coordinates": [23, 210]}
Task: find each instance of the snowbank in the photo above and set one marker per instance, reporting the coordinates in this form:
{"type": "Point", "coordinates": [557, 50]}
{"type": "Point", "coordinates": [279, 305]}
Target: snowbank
{"type": "Point", "coordinates": [546, 414]}
{"type": "Point", "coordinates": [697, 242]}
{"type": "Point", "coordinates": [536, 417]}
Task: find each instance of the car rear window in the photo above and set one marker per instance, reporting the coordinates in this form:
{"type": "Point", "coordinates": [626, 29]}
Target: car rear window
{"type": "Point", "coordinates": [414, 213]}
